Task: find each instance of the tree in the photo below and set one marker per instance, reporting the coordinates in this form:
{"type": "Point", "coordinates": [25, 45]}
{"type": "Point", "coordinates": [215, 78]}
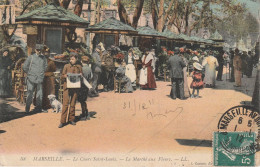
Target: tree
{"type": "Point", "coordinates": [123, 15]}
{"type": "Point", "coordinates": [239, 26]}
{"type": "Point", "coordinates": [26, 4]}
{"type": "Point", "coordinates": [188, 15]}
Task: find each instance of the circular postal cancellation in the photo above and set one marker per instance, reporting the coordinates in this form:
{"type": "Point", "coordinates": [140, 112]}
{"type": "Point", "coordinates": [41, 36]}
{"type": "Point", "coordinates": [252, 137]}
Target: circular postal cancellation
{"type": "Point", "coordinates": [238, 136]}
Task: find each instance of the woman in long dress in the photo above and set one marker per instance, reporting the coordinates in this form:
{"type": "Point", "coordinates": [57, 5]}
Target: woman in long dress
{"type": "Point", "coordinates": [48, 82]}
{"type": "Point", "coordinates": [5, 74]}
{"type": "Point", "coordinates": [237, 63]}
{"type": "Point", "coordinates": [186, 87]}
{"type": "Point", "coordinates": [147, 79]}
{"type": "Point", "coordinates": [130, 68]}
{"type": "Point", "coordinates": [210, 64]}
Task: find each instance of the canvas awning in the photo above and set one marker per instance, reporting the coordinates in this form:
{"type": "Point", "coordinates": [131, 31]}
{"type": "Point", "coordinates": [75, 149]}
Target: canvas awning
{"type": "Point", "coordinates": [171, 35]}
{"type": "Point", "coordinates": [111, 26]}
{"type": "Point", "coordinates": [186, 38]}
{"type": "Point", "coordinates": [149, 32]}
{"type": "Point", "coordinates": [52, 14]}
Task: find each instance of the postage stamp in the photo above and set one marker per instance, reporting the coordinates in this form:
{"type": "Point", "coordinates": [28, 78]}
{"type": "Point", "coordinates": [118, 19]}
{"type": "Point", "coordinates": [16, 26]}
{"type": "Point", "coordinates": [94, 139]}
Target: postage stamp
{"type": "Point", "coordinates": [234, 149]}
{"type": "Point", "coordinates": [129, 83]}
{"type": "Point", "coordinates": [236, 141]}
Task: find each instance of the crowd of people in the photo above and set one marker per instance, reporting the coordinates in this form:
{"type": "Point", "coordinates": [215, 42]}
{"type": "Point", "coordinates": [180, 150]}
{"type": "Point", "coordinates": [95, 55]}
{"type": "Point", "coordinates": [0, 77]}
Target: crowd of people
{"type": "Point", "coordinates": [104, 66]}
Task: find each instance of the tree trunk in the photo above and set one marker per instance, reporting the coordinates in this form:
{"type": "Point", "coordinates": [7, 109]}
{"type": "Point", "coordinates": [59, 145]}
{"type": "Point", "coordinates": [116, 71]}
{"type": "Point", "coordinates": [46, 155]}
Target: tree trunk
{"type": "Point", "coordinates": [98, 11]}
{"type": "Point", "coordinates": [137, 13]}
{"type": "Point", "coordinates": [160, 16]}
{"type": "Point", "coordinates": [186, 17]}
{"type": "Point", "coordinates": [122, 13]}
{"type": "Point", "coordinates": [154, 13]}
{"type": "Point", "coordinates": [78, 7]}
{"type": "Point", "coordinates": [167, 12]}
{"type": "Point", "coordinates": [65, 3]}
{"type": "Point", "coordinates": [174, 15]}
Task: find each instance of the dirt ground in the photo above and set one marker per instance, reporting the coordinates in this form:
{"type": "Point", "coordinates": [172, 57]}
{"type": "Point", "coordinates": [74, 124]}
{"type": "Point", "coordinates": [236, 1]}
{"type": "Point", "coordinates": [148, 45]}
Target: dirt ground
{"type": "Point", "coordinates": [145, 124]}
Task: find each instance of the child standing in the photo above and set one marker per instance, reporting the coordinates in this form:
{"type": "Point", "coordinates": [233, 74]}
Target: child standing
{"type": "Point", "coordinates": [197, 82]}
{"type": "Point", "coordinates": [69, 94]}
{"type": "Point", "coordinates": [83, 93]}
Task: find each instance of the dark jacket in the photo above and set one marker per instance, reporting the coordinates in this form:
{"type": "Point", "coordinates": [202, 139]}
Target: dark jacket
{"type": "Point", "coordinates": [175, 65]}
{"type": "Point", "coordinates": [5, 62]}
{"type": "Point", "coordinates": [126, 59]}
{"type": "Point", "coordinates": [35, 67]}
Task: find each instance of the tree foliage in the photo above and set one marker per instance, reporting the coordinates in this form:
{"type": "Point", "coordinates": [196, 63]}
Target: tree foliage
{"type": "Point", "coordinates": [184, 15]}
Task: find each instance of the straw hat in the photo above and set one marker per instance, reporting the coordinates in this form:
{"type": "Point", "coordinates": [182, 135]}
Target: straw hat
{"type": "Point", "coordinates": [195, 58]}
{"type": "Point", "coordinates": [197, 66]}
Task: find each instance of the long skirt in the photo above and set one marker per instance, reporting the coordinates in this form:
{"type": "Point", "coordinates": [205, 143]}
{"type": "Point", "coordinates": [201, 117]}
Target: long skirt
{"type": "Point", "coordinates": [147, 79]}
{"type": "Point", "coordinates": [238, 75]}
{"type": "Point", "coordinates": [5, 82]}
{"type": "Point", "coordinates": [210, 76]}
{"type": "Point", "coordinates": [186, 87]}
{"type": "Point", "coordinates": [130, 72]}
{"type": "Point", "coordinates": [48, 88]}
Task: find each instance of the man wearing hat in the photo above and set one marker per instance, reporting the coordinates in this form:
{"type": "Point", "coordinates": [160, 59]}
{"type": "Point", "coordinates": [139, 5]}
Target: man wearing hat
{"type": "Point", "coordinates": [96, 69]}
{"type": "Point", "coordinates": [221, 64]}
{"type": "Point", "coordinates": [231, 67]}
{"type": "Point", "coordinates": [35, 67]}
{"type": "Point", "coordinates": [176, 65]}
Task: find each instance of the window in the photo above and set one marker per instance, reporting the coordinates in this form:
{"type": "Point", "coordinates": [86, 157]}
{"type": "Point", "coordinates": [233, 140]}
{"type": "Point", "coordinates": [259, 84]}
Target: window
{"type": "Point", "coordinates": [53, 39]}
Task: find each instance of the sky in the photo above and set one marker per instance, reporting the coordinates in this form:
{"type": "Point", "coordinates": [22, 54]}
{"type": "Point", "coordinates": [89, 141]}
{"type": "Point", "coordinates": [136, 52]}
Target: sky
{"type": "Point", "coordinates": [253, 6]}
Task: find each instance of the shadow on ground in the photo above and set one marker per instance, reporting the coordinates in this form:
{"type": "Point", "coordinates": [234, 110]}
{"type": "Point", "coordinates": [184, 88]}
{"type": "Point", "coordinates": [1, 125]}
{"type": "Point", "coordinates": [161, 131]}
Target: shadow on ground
{"type": "Point", "coordinates": [247, 87]}
{"type": "Point", "coordinates": [8, 112]}
{"type": "Point", "coordinates": [91, 116]}
{"type": "Point", "coordinates": [2, 131]}
{"type": "Point", "coordinates": [195, 142]}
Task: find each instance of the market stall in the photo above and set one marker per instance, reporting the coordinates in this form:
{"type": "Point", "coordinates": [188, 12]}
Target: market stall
{"type": "Point", "coordinates": [110, 31]}
{"type": "Point", "coordinates": [172, 39]}
{"type": "Point", "coordinates": [47, 25]}
{"type": "Point", "coordinates": [148, 37]}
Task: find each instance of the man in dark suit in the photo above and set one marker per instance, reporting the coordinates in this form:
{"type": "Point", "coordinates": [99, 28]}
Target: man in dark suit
{"type": "Point", "coordinates": [96, 69]}
{"type": "Point", "coordinates": [175, 65]}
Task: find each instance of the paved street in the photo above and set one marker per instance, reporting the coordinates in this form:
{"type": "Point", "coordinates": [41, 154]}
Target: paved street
{"type": "Point", "coordinates": [143, 122]}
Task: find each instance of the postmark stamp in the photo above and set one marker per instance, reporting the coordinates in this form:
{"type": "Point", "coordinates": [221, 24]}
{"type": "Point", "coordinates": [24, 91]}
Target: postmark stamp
{"type": "Point", "coordinates": [237, 139]}
{"type": "Point", "coordinates": [234, 149]}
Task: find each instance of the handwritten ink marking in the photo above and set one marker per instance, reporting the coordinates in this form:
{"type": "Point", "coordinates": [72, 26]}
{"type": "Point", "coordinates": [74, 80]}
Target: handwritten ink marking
{"type": "Point", "coordinates": [151, 115]}
{"type": "Point", "coordinates": [144, 106]}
